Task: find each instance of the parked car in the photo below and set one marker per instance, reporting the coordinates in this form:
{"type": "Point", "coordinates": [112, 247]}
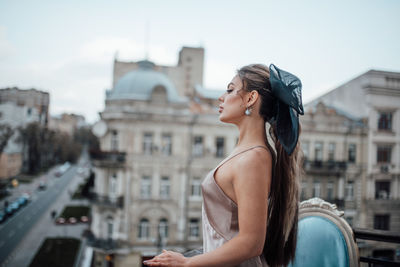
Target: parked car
{"type": "Point", "coordinates": [22, 200]}
{"type": "Point", "coordinates": [15, 205]}
{"type": "Point", "coordinates": [3, 216]}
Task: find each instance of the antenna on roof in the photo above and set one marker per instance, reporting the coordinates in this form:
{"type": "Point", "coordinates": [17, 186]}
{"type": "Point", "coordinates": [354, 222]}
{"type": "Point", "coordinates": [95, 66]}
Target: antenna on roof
{"type": "Point", "coordinates": [147, 39]}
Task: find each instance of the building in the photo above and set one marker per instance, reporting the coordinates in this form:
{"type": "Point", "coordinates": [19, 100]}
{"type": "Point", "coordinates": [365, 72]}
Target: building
{"type": "Point", "coordinates": [159, 137]}
{"type": "Point", "coordinates": [373, 100]}
{"type": "Point", "coordinates": [334, 146]}
{"type": "Point", "coordinates": [67, 123]}
{"type": "Point", "coordinates": [17, 109]}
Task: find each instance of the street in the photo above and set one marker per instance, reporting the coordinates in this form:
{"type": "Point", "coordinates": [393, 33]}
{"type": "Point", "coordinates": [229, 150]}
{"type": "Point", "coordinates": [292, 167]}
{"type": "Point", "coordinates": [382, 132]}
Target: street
{"type": "Point", "coordinates": [22, 225]}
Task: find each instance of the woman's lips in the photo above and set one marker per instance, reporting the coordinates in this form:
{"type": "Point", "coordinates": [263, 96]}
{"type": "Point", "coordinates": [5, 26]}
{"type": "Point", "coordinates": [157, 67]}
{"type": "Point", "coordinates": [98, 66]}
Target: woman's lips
{"type": "Point", "coordinates": [220, 109]}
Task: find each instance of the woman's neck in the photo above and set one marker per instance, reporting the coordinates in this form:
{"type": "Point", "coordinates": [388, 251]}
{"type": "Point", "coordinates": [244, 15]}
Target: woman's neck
{"type": "Point", "coordinates": [251, 132]}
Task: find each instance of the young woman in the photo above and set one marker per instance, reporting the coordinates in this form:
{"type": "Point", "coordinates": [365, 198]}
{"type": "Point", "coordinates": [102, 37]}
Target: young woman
{"type": "Point", "coordinates": [250, 200]}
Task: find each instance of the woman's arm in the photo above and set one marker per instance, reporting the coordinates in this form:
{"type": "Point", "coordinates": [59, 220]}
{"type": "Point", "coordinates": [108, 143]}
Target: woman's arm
{"type": "Point", "coordinates": [251, 180]}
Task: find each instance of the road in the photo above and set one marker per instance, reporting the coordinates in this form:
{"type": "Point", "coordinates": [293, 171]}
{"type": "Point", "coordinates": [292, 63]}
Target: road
{"type": "Point", "coordinates": [13, 231]}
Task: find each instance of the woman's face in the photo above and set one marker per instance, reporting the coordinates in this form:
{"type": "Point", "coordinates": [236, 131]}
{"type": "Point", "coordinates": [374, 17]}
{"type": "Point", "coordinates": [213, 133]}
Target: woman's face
{"type": "Point", "coordinates": [232, 106]}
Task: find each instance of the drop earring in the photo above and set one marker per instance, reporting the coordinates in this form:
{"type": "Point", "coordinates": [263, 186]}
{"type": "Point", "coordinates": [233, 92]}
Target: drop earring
{"type": "Point", "coordinates": [248, 111]}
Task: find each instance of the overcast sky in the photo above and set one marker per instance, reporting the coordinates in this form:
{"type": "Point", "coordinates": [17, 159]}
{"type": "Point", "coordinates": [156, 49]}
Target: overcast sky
{"type": "Point", "coordinates": [67, 47]}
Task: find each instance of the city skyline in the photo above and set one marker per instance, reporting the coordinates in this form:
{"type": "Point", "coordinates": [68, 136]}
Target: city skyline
{"type": "Point", "coordinates": [68, 49]}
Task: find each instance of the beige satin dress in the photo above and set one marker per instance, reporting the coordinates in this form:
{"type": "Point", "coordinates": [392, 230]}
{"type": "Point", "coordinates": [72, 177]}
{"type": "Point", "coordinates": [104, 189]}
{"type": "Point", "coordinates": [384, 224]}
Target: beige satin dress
{"type": "Point", "coordinates": [220, 216]}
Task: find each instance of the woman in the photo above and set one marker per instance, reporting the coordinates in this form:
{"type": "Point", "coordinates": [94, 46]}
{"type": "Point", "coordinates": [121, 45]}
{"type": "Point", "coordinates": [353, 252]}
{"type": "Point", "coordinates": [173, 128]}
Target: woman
{"type": "Point", "coordinates": [250, 200]}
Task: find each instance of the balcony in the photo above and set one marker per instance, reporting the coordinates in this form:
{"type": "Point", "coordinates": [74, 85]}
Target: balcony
{"type": "Point", "coordinates": [106, 201]}
{"type": "Point", "coordinates": [108, 158]}
{"type": "Point", "coordinates": [325, 167]}
{"type": "Point", "coordinates": [103, 244]}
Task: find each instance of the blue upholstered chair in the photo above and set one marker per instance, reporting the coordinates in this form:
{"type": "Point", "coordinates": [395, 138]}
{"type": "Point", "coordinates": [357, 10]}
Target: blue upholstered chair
{"type": "Point", "coordinates": [324, 238]}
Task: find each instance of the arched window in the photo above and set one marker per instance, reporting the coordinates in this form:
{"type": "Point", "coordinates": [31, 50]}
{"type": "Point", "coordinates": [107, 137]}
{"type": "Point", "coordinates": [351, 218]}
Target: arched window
{"type": "Point", "coordinates": [144, 229]}
{"type": "Point", "coordinates": [163, 228]}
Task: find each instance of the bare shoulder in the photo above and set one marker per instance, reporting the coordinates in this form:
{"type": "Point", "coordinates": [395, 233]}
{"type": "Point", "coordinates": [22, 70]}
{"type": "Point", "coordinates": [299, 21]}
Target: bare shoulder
{"type": "Point", "coordinates": [257, 160]}
{"type": "Point", "coordinates": [258, 157]}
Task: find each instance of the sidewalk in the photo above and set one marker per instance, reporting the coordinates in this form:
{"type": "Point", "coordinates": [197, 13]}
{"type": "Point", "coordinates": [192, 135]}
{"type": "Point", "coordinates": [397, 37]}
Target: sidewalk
{"type": "Point", "coordinates": [45, 227]}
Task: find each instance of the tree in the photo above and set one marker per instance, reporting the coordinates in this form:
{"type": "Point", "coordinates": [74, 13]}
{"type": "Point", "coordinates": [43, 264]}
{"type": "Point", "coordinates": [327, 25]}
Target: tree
{"type": "Point", "coordinates": [5, 134]}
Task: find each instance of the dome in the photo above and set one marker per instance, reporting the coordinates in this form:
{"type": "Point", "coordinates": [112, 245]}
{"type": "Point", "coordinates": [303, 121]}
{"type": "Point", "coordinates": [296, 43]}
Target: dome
{"type": "Point", "coordinates": [139, 84]}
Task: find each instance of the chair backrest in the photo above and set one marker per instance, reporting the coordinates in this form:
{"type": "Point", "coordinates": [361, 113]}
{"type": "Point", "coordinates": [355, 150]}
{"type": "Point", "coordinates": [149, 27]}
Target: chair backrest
{"type": "Point", "coordinates": [324, 238]}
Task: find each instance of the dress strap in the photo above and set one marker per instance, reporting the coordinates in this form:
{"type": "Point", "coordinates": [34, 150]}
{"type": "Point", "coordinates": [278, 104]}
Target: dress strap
{"type": "Point", "coordinates": [231, 157]}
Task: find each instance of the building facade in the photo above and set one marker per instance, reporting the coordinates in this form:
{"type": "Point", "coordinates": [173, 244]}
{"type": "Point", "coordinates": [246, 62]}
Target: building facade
{"type": "Point", "coordinates": [17, 109]}
{"type": "Point", "coordinates": [67, 123]}
{"type": "Point", "coordinates": [373, 99]}
{"type": "Point", "coordinates": [157, 144]}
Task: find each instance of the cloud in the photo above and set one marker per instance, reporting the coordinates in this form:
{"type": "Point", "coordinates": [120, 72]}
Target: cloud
{"type": "Point", "coordinates": [7, 50]}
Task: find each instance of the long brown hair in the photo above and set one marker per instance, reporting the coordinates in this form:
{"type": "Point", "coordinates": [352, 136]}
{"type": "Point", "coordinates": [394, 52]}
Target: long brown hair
{"type": "Point", "coordinates": [280, 241]}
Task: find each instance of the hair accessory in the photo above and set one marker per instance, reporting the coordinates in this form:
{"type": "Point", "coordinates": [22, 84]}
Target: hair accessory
{"type": "Point", "coordinates": [286, 87]}
{"type": "Point", "coordinates": [247, 111]}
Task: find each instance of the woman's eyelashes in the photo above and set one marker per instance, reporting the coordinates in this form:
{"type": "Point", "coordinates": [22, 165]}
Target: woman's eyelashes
{"type": "Point", "coordinates": [229, 91]}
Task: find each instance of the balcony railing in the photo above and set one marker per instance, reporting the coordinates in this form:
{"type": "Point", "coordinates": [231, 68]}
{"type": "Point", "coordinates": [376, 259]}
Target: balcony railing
{"type": "Point", "coordinates": [325, 166]}
{"type": "Point", "coordinates": [104, 244]}
{"type": "Point", "coordinates": [106, 201]}
{"type": "Point", "coordinates": [108, 157]}
{"type": "Point", "coordinates": [377, 235]}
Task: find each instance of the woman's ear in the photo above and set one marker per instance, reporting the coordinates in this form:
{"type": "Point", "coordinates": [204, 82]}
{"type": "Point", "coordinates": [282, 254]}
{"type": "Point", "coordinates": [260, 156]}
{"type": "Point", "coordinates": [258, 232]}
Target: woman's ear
{"type": "Point", "coordinates": [252, 97]}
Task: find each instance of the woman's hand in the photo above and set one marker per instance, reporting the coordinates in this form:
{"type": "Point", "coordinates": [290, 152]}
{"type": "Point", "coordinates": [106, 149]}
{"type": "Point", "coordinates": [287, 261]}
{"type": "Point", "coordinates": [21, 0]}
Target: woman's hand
{"type": "Point", "coordinates": [168, 259]}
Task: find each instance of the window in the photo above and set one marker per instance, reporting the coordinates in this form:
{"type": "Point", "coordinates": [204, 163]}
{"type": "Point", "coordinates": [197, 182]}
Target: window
{"type": "Point", "coordinates": [114, 140]}
{"type": "Point", "coordinates": [197, 149]}
{"type": "Point", "coordinates": [306, 149]}
{"type": "Point", "coordinates": [329, 191]}
{"type": "Point", "coordinates": [352, 153]}
{"type": "Point", "coordinates": [350, 220]}
{"type": "Point", "coordinates": [145, 187]}
{"type": "Point", "coordinates": [196, 187]}
{"type": "Point", "coordinates": [385, 121]}
{"type": "Point", "coordinates": [303, 194]}
{"type": "Point", "coordinates": [219, 143]}
{"type": "Point", "coordinates": [318, 151]}
{"type": "Point", "coordinates": [384, 153]}
{"type": "Point", "coordinates": [110, 226]}
{"type": "Point", "coordinates": [112, 186]}
{"type": "Point", "coordinates": [316, 189]}
{"type": "Point", "coordinates": [331, 151]}
{"type": "Point", "coordinates": [166, 144]}
{"type": "Point", "coordinates": [349, 190]}
{"type": "Point", "coordinates": [147, 143]}
{"type": "Point", "coordinates": [381, 222]}
{"type": "Point", "coordinates": [144, 229]}
{"type": "Point", "coordinates": [382, 190]}
{"type": "Point", "coordinates": [194, 231]}
{"type": "Point", "coordinates": [163, 228]}
{"type": "Point", "coordinates": [164, 187]}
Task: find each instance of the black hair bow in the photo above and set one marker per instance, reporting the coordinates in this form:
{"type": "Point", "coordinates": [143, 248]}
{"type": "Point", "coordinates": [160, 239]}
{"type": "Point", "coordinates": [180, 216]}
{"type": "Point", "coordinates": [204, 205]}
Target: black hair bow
{"type": "Point", "coordinates": [287, 89]}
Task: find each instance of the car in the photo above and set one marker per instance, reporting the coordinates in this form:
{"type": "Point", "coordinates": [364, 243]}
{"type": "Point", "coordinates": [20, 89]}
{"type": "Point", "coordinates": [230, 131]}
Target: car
{"type": "Point", "coordinates": [22, 200]}
{"type": "Point", "coordinates": [3, 216]}
{"type": "Point", "coordinates": [15, 205]}
{"type": "Point", "coordinates": [62, 169]}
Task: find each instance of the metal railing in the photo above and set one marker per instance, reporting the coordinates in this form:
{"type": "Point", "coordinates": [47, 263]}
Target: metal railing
{"type": "Point", "coordinates": [377, 235]}
{"type": "Point", "coordinates": [106, 201]}
{"type": "Point", "coordinates": [111, 156]}
{"type": "Point", "coordinates": [325, 166]}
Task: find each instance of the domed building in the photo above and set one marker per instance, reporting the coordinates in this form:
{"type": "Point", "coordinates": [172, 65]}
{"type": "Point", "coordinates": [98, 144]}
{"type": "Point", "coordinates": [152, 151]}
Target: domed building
{"type": "Point", "coordinates": [158, 140]}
